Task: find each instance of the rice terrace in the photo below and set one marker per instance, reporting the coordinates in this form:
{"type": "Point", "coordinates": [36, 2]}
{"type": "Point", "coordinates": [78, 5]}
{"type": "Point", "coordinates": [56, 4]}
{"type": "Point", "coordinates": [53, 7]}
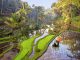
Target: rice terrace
{"type": "Point", "coordinates": [39, 29]}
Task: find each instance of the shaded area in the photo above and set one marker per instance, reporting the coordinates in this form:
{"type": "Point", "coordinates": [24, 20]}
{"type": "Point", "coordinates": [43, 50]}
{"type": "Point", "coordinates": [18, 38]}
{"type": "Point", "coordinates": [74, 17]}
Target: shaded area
{"type": "Point", "coordinates": [10, 54]}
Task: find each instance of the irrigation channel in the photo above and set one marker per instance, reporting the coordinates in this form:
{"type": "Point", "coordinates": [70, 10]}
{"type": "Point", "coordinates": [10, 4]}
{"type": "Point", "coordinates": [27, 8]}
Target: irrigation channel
{"type": "Point", "coordinates": [36, 40]}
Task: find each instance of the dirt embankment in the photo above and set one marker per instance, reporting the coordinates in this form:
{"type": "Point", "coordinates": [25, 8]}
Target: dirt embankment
{"type": "Point", "coordinates": [71, 35]}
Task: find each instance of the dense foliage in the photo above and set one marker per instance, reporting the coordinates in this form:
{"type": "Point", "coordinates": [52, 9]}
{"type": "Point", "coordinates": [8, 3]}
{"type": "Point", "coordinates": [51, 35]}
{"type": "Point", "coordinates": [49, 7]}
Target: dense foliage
{"type": "Point", "coordinates": [69, 13]}
{"type": "Point", "coordinates": [19, 21]}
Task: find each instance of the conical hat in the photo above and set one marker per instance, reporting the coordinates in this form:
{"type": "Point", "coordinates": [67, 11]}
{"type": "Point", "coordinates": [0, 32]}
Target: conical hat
{"type": "Point", "coordinates": [59, 38]}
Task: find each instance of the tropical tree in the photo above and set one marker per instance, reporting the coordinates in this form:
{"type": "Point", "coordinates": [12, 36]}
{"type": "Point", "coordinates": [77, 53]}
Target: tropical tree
{"type": "Point", "coordinates": [37, 15]}
{"type": "Point", "coordinates": [68, 9]}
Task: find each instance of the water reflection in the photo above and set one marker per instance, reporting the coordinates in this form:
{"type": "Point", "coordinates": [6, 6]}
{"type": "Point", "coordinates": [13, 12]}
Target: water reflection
{"type": "Point", "coordinates": [73, 47]}
{"type": "Point", "coordinates": [68, 50]}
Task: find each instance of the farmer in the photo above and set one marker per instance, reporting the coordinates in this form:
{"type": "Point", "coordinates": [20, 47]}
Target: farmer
{"type": "Point", "coordinates": [57, 41]}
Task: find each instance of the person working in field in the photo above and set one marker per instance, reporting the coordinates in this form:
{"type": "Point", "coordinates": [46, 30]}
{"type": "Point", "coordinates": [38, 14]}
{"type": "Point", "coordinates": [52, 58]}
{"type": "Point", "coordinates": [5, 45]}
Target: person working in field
{"type": "Point", "coordinates": [57, 41]}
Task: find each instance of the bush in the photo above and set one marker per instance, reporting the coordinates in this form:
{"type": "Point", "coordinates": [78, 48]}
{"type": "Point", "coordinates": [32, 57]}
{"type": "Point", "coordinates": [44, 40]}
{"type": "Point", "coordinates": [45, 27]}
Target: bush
{"type": "Point", "coordinates": [50, 32]}
{"type": "Point", "coordinates": [37, 50]}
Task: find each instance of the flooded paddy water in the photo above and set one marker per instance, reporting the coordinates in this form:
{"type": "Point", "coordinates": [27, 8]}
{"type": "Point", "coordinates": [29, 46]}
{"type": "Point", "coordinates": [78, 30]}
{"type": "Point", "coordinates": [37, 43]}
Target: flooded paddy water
{"type": "Point", "coordinates": [67, 50]}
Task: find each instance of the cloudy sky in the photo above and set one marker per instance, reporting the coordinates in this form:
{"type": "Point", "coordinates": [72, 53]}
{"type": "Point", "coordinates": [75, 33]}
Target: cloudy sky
{"type": "Point", "coordinates": [45, 3]}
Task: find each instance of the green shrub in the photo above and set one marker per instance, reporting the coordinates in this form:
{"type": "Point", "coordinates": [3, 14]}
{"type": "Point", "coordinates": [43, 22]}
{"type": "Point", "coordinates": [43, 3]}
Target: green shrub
{"type": "Point", "coordinates": [37, 50]}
